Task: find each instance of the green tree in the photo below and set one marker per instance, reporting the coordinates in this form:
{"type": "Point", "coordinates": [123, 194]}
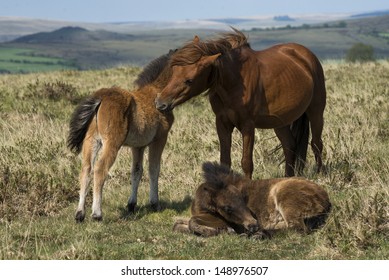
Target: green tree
{"type": "Point", "coordinates": [360, 52]}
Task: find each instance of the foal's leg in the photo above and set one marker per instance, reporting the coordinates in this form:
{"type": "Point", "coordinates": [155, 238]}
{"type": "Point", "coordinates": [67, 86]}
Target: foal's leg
{"type": "Point", "coordinates": [182, 225]}
{"type": "Point", "coordinates": [288, 143]}
{"type": "Point", "coordinates": [208, 225]}
{"type": "Point", "coordinates": [155, 154]}
{"type": "Point", "coordinates": [136, 175]}
{"type": "Point", "coordinates": [103, 164]}
{"type": "Point", "coordinates": [88, 154]}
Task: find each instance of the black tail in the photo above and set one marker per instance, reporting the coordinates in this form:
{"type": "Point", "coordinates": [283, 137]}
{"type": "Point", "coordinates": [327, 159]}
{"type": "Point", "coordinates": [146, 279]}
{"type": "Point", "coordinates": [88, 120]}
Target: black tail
{"type": "Point", "coordinates": [300, 131]}
{"type": "Point", "coordinates": [79, 123]}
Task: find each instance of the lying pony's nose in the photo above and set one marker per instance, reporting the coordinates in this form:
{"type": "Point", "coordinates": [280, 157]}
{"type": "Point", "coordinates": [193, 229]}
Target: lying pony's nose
{"type": "Point", "coordinates": [252, 228]}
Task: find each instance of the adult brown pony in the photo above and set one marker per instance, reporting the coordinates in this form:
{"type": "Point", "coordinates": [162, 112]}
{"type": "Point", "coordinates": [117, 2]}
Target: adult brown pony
{"type": "Point", "coordinates": [281, 87]}
{"type": "Point", "coordinates": [229, 202]}
{"type": "Point", "coordinates": [113, 117]}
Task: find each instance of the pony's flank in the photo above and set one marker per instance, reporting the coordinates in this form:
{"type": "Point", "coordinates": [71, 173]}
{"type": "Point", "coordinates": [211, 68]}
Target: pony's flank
{"type": "Point", "coordinates": [80, 121]}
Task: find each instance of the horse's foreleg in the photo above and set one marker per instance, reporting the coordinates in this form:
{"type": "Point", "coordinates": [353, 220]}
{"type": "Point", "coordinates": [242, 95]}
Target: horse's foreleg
{"type": "Point", "coordinates": [224, 131]}
{"type": "Point", "coordinates": [208, 225]}
{"type": "Point", "coordinates": [136, 175]}
{"type": "Point", "coordinates": [288, 143]}
{"type": "Point", "coordinates": [155, 154]}
{"type": "Point", "coordinates": [103, 164]}
{"type": "Point", "coordinates": [248, 132]}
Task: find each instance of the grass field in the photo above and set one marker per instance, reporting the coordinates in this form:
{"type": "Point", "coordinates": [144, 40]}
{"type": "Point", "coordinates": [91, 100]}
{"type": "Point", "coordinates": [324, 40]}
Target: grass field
{"type": "Point", "coordinates": [15, 60]}
{"type": "Point", "coordinates": [39, 188]}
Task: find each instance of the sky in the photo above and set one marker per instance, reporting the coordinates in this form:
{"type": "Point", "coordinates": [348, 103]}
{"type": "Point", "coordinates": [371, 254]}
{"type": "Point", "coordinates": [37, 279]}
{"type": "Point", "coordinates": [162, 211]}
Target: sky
{"type": "Point", "coordinates": [166, 10]}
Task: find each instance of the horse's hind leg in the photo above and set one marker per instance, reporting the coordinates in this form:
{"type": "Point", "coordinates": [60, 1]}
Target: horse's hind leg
{"type": "Point", "coordinates": [136, 175]}
{"type": "Point", "coordinates": [288, 143]}
{"type": "Point", "coordinates": [103, 164]}
{"type": "Point", "coordinates": [89, 151]}
{"type": "Point", "coordinates": [317, 123]}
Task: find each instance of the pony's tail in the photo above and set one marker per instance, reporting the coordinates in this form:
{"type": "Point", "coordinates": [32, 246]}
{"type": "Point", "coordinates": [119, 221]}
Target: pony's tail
{"type": "Point", "coordinates": [300, 131]}
{"type": "Point", "coordinates": [79, 123]}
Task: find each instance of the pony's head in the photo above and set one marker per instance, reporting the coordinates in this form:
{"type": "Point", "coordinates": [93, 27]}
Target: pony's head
{"type": "Point", "coordinates": [227, 201]}
{"type": "Point", "coordinates": [221, 196]}
{"type": "Point", "coordinates": [192, 65]}
{"type": "Point", "coordinates": [190, 76]}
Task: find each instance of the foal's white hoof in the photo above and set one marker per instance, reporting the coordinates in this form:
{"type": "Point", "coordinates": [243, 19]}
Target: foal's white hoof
{"type": "Point", "coordinates": [97, 218]}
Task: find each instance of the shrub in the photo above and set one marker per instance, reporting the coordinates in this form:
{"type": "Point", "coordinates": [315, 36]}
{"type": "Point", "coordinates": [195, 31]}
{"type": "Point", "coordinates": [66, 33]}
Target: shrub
{"type": "Point", "coordinates": [360, 52]}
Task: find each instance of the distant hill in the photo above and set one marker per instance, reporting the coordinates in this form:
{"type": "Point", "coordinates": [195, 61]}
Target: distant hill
{"type": "Point", "coordinates": [15, 27]}
{"type": "Point", "coordinates": [70, 34]}
{"type": "Point", "coordinates": [371, 14]}
{"type": "Point", "coordinates": [89, 47]}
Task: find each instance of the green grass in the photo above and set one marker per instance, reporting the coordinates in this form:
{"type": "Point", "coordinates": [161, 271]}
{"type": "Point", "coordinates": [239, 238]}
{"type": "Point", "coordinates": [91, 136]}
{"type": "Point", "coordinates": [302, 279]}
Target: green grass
{"type": "Point", "coordinates": [39, 176]}
{"type": "Point", "coordinates": [16, 60]}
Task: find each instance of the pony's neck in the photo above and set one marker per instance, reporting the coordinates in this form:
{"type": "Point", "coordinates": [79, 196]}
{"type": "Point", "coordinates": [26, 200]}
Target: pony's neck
{"type": "Point", "coordinates": [227, 72]}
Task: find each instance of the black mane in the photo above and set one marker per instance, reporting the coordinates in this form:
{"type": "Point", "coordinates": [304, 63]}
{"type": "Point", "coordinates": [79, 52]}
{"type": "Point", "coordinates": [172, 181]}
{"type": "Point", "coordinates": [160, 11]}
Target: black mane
{"type": "Point", "coordinates": [152, 70]}
{"type": "Point", "coordinates": [220, 175]}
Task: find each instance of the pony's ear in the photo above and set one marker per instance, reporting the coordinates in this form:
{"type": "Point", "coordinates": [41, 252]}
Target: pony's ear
{"type": "Point", "coordinates": [208, 60]}
{"type": "Point", "coordinates": [209, 188]}
{"type": "Point", "coordinates": [196, 39]}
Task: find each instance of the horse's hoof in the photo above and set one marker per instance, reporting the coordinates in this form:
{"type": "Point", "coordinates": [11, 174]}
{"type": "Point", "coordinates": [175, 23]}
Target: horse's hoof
{"type": "Point", "coordinates": [97, 218]}
{"type": "Point", "coordinates": [156, 207]}
{"type": "Point", "coordinates": [131, 207]}
{"type": "Point", "coordinates": [80, 216]}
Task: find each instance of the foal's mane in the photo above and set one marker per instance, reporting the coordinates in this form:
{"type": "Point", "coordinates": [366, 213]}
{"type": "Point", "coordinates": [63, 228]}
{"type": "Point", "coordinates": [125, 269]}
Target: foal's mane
{"type": "Point", "coordinates": [220, 175]}
{"type": "Point", "coordinates": [194, 50]}
{"type": "Point", "coordinates": [152, 70]}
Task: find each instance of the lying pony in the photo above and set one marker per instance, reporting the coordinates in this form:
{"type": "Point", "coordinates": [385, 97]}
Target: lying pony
{"type": "Point", "coordinates": [228, 202]}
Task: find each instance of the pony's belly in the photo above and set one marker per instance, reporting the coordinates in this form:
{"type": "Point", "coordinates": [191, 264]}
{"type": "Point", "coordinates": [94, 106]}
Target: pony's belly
{"type": "Point", "coordinates": [269, 122]}
{"type": "Point", "coordinates": [137, 138]}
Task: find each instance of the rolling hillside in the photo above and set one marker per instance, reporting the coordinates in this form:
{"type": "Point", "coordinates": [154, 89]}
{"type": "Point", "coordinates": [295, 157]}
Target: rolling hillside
{"type": "Point", "coordinates": [70, 34]}
{"type": "Point", "coordinates": [80, 47]}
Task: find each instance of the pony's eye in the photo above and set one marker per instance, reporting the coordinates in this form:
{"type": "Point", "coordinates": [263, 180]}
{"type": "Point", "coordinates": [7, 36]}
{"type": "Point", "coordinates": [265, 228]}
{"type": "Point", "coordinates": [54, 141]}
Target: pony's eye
{"type": "Point", "coordinates": [189, 82]}
{"type": "Point", "coordinates": [228, 209]}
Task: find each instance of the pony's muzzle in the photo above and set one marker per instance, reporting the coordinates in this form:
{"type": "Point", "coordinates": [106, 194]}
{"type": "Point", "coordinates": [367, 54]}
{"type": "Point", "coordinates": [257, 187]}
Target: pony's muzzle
{"type": "Point", "coordinates": [162, 106]}
{"type": "Point", "coordinates": [252, 227]}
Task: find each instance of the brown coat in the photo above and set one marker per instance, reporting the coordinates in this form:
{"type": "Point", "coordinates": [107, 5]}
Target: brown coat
{"type": "Point", "coordinates": [274, 204]}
